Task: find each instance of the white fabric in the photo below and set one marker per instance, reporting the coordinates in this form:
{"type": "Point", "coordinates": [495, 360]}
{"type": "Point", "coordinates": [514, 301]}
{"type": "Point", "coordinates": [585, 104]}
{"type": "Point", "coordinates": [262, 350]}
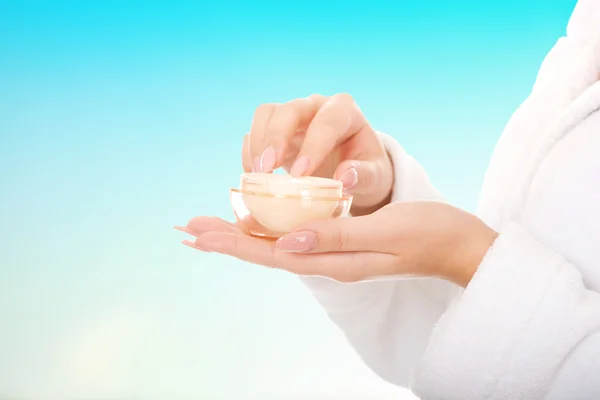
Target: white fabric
{"type": "Point", "coordinates": [528, 324]}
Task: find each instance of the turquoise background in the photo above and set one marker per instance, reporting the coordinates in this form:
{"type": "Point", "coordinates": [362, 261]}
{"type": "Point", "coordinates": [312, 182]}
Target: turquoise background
{"type": "Point", "coordinates": [121, 119]}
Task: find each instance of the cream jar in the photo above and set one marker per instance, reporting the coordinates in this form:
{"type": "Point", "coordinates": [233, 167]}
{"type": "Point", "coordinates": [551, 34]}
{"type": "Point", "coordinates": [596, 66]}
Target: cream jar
{"type": "Point", "coordinates": [271, 205]}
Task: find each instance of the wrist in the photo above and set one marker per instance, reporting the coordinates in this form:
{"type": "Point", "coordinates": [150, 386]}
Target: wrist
{"type": "Point", "coordinates": [468, 253]}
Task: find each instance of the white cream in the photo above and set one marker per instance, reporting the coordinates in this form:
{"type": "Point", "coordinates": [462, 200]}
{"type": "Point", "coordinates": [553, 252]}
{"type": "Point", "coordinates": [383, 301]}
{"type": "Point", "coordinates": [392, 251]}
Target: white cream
{"type": "Point", "coordinates": [286, 185]}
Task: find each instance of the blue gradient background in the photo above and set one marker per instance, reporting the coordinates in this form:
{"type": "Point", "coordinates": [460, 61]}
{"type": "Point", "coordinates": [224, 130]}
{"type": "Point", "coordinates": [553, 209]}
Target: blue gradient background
{"type": "Point", "coordinates": [119, 120]}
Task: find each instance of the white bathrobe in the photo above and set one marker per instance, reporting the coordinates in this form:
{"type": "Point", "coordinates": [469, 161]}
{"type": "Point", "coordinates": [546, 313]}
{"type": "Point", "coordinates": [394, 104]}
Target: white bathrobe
{"type": "Point", "coordinates": [528, 324]}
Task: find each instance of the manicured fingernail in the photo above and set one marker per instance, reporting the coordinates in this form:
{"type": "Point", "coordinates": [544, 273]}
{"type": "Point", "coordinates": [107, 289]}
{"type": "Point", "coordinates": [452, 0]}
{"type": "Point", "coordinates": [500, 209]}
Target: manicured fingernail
{"type": "Point", "coordinates": [186, 230]}
{"type": "Point", "coordinates": [268, 159]}
{"type": "Point", "coordinates": [194, 246]}
{"type": "Point", "coordinates": [256, 164]}
{"type": "Point", "coordinates": [297, 242]}
{"type": "Point", "coordinates": [350, 178]}
{"type": "Point", "coordinates": [299, 167]}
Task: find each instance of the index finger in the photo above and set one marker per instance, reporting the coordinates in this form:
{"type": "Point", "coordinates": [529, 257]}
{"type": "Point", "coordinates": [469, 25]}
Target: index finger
{"type": "Point", "coordinates": [286, 121]}
{"type": "Point", "coordinates": [335, 122]}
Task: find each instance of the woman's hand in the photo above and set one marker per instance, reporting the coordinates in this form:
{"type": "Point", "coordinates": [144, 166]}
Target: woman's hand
{"type": "Point", "coordinates": [322, 136]}
{"type": "Point", "coordinates": [422, 238]}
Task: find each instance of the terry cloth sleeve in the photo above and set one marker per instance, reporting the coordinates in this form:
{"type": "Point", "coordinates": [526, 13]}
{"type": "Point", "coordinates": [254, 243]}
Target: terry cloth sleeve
{"type": "Point", "coordinates": [388, 322]}
{"type": "Point", "coordinates": [525, 319]}
{"type": "Point", "coordinates": [528, 324]}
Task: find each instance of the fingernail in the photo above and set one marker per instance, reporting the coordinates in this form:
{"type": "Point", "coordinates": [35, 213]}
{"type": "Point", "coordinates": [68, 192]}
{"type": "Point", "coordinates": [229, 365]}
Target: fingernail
{"type": "Point", "coordinates": [194, 246]}
{"type": "Point", "coordinates": [268, 159]}
{"type": "Point", "coordinates": [186, 230]}
{"type": "Point", "coordinates": [256, 165]}
{"type": "Point", "coordinates": [299, 167]}
{"type": "Point", "coordinates": [350, 178]}
{"type": "Point", "coordinates": [297, 242]}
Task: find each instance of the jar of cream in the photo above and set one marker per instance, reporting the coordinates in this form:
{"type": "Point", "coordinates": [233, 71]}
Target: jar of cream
{"type": "Point", "coordinates": [272, 205]}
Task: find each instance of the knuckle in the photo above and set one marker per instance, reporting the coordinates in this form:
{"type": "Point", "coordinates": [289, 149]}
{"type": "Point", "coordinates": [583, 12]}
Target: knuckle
{"type": "Point", "coordinates": [273, 260]}
{"type": "Point", "coordinates": [366, 177]}
{"type": "Point", "coordinates": [344, 98]}
{"type": "Point", "coordinates": [287, 113]}
{"type": "Point", "coordinates": [236, 241]}
{"type": "Point", "coordinates": [339, 240]}
{"type": "Point", "coordinates": [335, 116]}
{"type": "Point", "coordinates": [264, 109]}
{"type": "Point", "coordinates": [317, 98]}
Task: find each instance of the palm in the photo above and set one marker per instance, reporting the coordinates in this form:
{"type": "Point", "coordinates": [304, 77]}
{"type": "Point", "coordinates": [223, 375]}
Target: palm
{"type": "Point", "coordinates": [227, 238]}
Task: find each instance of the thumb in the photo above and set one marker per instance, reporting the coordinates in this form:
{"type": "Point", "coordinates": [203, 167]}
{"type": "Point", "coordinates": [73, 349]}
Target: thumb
{"type": "Point", "coordinates": [369, 181]}
{"type": "Point", "coordinates": [336, 235]}
{"type": "Point", "coordinates": [357, 176]}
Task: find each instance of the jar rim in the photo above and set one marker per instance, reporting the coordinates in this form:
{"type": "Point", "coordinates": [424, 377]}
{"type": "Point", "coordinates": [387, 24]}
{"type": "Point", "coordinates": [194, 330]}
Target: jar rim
{"type": "Point", "coordinates": [313, 182]}
{"type": "Point", "coordinates": [343, 197]}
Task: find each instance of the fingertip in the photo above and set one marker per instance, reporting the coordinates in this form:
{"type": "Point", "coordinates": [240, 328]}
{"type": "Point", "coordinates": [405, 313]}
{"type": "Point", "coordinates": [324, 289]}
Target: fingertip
{"type": "Point", "coordinates": [193, 245]}
{"type": "Point", "coordinates": [184, 229]}
{"type": "Point", "coordinates": [318, 99]}
{"type": "Point", "coordinates": [358, 177]}
{"type": "Point", "coordinates": [349, 178]}
{"type": "Point", "coordinates": [268, 159]}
